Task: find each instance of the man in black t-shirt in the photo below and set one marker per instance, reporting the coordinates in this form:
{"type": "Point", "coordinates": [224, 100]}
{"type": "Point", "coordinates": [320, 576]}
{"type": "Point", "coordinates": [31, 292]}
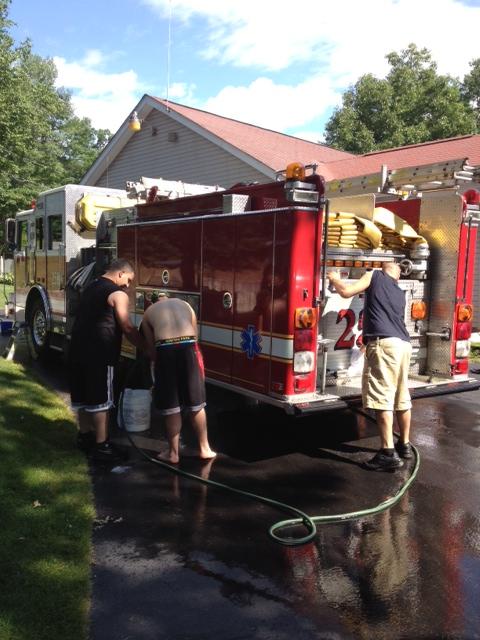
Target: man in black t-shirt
{"type": "Point", "coordinates": [95, 350]}
{"type": "Point", "coordinates": [387, 359]}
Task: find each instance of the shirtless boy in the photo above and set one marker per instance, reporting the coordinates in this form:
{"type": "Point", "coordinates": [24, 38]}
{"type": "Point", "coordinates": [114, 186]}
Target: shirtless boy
{"type": "Point", "coordinates": [170, 329]}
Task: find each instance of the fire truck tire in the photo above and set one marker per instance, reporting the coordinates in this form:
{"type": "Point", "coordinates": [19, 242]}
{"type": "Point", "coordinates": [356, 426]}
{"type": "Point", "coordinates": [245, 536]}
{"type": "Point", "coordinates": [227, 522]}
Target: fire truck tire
{"type": "Point", "coordinates": [38, 330]}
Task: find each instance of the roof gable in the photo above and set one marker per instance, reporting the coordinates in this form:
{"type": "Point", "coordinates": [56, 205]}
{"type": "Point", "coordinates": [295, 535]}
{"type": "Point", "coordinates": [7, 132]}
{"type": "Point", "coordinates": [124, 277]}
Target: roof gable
{"type": "Point", "coordinates": [269, 151]}
{"type": "Point", "coordinates": [272, 148]}
{"type": "Point", "coordinates": [266, 150]}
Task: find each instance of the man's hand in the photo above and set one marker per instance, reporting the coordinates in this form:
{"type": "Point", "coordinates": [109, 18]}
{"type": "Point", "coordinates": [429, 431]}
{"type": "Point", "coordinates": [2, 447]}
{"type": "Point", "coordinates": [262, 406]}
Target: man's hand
{"type": "Point", "coordinates": [333, 275]}
{"type": "Point", "coordinates": [349, 290]}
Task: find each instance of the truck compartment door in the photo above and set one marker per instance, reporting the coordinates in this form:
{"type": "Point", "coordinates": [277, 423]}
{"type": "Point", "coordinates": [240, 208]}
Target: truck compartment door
{"type": "Point", "coordinates": [253, 301]}
{"type": "Point", "coordinates": [216, 315]}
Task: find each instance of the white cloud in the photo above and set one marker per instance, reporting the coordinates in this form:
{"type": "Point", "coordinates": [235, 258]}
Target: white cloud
{"type": "Point", "coordinates": [348, 39]}
{"type": "Point", "coordinates": [182, 91]}
{"type": "Point", "coordinates": [105, 98]}
{"type": "Point", "coordinates": [274, 106]}
{"type": "Point", "coordinates": [93, 58]}
{"type": "Point", "coordinates": [327, 45]}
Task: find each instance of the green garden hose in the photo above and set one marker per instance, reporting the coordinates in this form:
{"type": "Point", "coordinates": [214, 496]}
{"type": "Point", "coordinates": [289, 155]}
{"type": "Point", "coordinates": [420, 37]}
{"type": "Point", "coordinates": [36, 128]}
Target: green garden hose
{"type": "Point", "coordinates": [309, 522]}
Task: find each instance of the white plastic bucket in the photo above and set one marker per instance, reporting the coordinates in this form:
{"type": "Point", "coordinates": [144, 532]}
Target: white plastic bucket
{"type": "Point", "coordinates": [136, 409]}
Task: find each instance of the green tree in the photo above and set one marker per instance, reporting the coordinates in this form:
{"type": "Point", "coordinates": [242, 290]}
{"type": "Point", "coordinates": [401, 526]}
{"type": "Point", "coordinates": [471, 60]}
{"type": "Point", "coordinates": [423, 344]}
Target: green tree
{"type": "Point", "coordinates": [42, 143]}
{"type": "Point", "coordinates": [413, 104]}
{"type": "Point", "coordinates": [81, 144]}
{"type": "Point", "coordinates": [471, 88]}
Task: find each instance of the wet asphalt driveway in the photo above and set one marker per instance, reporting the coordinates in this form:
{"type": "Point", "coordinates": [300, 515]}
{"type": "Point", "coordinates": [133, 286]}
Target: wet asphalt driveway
{"type": "Point", "coordinates": [177, 560]}
{"type": "Point", "coordinates": [190, 562]}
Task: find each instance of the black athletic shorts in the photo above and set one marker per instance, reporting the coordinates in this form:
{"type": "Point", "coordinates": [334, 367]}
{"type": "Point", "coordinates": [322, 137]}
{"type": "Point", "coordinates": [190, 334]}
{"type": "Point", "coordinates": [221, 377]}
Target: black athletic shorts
{"type": "Point", "coordinates": [91, 386]}
{"type": "Point", "coordinates": [179, 378]}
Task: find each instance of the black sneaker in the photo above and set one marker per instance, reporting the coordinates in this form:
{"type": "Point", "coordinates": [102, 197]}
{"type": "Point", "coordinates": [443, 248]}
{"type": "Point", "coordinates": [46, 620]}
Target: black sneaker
{"type": "Point", "coordinates": [85, 441]}
{"type": "Point", "coordinates": [108, 452]}
{"type": "Point", "coordinates": [404, 450]}
{"type": "Point", "coordinates": [382, 462]}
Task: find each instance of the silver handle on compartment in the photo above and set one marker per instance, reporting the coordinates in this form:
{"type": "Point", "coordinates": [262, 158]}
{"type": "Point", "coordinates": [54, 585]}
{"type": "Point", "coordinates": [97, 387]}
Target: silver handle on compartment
{"type": "Point", "coordinates": [322, 349]}
{"type": "Point", "coordinates": [444, 334]}
{"type": "Point", "coordinates": [227, 300]}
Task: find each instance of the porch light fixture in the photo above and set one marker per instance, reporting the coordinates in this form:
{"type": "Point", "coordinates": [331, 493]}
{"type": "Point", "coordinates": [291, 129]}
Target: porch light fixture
{"type": "Point", "coordinates": [134, 123]}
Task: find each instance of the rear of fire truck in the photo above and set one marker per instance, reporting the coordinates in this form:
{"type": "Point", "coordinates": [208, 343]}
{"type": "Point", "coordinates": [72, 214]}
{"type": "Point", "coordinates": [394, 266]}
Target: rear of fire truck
{"type": "Point", "coordinates": [430, 228]}
{"type": "Point", "coordinates": [253, 261]}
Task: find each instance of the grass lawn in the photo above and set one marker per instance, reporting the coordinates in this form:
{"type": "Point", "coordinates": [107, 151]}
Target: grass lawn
{"type": "Point", "coordinates": [46, 515]}
{"type": "Point", "coordinates": [475, 353]}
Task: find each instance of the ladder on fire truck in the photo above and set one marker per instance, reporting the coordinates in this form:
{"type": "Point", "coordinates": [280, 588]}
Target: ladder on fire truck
{"type": "Point", "coordinates": [155, 189]}
{"type": "Point", "coordinates": [406, 180]}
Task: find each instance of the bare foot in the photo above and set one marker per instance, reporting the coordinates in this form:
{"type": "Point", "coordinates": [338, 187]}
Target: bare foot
{"type": "Point", "coordinates": [206, 454]}
{"type": "Point", "coordinates": [166, 456]}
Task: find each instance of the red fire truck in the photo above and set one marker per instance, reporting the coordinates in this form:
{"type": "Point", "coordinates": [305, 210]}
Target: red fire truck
{"type": "Point", "coordinates": [55, 252]}
{"type": "Point", "coordinates": [252, 262]}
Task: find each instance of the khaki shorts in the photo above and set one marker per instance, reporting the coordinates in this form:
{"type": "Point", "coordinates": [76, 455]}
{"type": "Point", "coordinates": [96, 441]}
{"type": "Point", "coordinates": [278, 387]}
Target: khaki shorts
{"type": "Point", "coordinates": [385, 375]}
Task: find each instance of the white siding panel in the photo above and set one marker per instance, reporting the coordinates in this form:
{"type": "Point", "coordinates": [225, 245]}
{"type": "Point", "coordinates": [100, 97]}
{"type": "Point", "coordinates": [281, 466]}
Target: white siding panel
{"type": "Point", "coordinates": [191, 158]}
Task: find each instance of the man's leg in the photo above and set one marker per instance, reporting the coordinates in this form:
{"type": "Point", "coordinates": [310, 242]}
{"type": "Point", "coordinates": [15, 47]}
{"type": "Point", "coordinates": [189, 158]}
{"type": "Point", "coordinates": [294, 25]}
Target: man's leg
{"type": "Point", "coordinates": [85, 435]}
{"type": "Point", "coordinates": [173, 426]}
{"type": "Point", "coordinates": [100, 423]}
{"type": "Point", "coordinates": [199, 424]}
{"type": "Point", "coordinates": [385, 459]}
{"type": "Point", "coordinates": [84, 421]}
{"type": "Point", "coordinates": [385, 428]}
{"type": "Point", "coordinates": [404, 419]}
{"type": "Point", "coordinates": [104, 450]}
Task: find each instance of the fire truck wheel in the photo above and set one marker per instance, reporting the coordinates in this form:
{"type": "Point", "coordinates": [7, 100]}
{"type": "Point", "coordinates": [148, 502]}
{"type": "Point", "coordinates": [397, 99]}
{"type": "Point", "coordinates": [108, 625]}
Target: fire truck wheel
{"type": "Point", "coordinates": [37, 325]}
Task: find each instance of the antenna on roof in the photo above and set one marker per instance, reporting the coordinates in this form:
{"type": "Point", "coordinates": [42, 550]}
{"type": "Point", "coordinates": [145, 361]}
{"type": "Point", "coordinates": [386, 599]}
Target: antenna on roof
{"type": "Point", "coordinates": [168, 50]}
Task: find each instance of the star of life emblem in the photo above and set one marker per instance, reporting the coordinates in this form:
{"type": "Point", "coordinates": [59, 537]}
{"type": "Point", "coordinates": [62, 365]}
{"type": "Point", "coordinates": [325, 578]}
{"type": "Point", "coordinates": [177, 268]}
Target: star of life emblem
{"type": "Point", "coordinates": [251, 342]}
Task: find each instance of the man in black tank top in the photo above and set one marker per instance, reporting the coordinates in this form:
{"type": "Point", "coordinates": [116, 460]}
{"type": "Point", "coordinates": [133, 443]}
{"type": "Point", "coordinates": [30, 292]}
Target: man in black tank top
{"type": "Point", "coordinates": [95, 350]}
{"type": "Point", "coordinates": [387, 359]}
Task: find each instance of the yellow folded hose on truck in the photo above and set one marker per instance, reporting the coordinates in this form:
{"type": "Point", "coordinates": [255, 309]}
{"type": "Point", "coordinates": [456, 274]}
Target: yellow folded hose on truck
{"type": "Point", "coordinates": [397, 234]}
{"type": "Point", "coordinates": [347, 230]}
{"type": "Point", "coordinates": [386, 232]}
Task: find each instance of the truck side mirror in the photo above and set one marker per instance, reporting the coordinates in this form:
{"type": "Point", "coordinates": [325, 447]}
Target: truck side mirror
{"type": "Point", "coordinates": [10, 233]}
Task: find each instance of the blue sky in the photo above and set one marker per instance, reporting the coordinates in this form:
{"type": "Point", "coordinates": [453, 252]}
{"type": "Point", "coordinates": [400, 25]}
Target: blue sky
{"type": "Point", "coordinates": [282, 66]}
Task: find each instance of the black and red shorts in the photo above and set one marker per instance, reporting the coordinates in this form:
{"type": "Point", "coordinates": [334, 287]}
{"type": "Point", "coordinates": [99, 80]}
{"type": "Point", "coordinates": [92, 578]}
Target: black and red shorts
{"type": "Point", "coordinates": [91, 386]}
{"type": "Point", "coordinates": [179, 377]}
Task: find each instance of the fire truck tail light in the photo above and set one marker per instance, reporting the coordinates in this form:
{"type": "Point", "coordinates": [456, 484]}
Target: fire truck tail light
{"type": "Point", "coordinates": [460, 367]}
{"type": "Point", "coordinates": [303, 361]}
{"type": "Point", "coordinates": [463, 330]}
{"type": "Point", "coordinates": [303, 340]}
{"type": "Point", "coordinates": [295, 171]}
{"type": "Point", "coordinates": [301, 383]}
{"type": "Point", "coordinates": [462, 349]}
{"type": "Point", "coordinates": [418, 310]}
{"type": "Point", "coordinates": [305, 318]}
{"type": "Point", "coordinates": [464, 312]}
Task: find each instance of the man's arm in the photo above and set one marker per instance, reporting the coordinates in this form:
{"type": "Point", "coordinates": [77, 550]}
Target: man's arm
{"type": "Point", "coordinates": [350, 290]}
{"type": "Point", "coordinates": [119, 301]}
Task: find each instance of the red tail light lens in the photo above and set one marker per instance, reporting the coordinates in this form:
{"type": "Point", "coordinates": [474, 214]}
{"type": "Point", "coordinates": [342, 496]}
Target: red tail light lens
{"type": "Point", "coordinates": [461, 366]}
{"type": "Point", "coordinates": [304, 340]}
{"type": "Point", "coordinates": [463, 330]}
